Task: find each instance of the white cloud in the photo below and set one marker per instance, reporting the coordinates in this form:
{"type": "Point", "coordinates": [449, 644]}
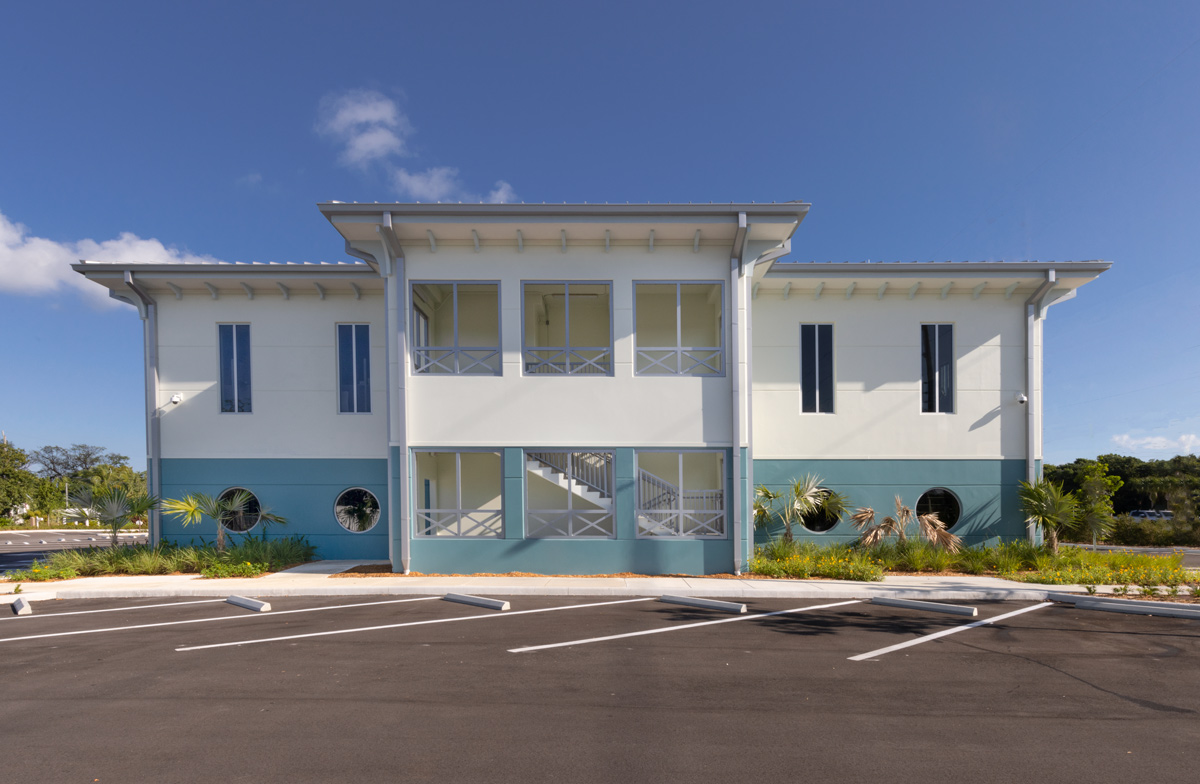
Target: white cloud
{"type": "Point", "coordinates": [36, 265]}
{"type": "Point", "coordinates": [436, 184]}
{"type": "Point", "coordinates": [372, 129]}
{"type": "Point", "coordinates": [367, 123]}
{"type": "Point", "coordinates": [250, 180]}
{"type": "Point", "coordinates": [503, 193]}
{"type": "Point", "coordinates": [1188, 443]}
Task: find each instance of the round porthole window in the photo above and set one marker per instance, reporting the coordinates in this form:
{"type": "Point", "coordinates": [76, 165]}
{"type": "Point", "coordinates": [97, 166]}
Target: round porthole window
{"type": "Point", "coordinates": [827, 514]}
{"type": "Point", "coordinates": [941, 502]}
{"type": "Point", "coordinates": [357, 510]}
{"type": "Point", "coordinates": [245, 518]}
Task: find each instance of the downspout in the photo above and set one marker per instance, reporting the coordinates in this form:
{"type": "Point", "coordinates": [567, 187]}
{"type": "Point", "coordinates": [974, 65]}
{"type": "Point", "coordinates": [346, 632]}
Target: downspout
{"type": "Point", "coordinates": [397, 342]}
{"type": "Point", "coordinates": [736, 301]}
{"type": "Point", "coordinates": [1033, 313]}
{"type": "Point", "coordinates": [148, 310]}
{"type": "Point", "coordinates": [765, 259]}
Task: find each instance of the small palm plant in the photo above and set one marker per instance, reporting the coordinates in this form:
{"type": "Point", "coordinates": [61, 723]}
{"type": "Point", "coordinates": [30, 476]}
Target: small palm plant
{"type": "Point", "coordinates": [1050, 508]}
{"type": "Point", "coordinates": [806, 498]}
{"type": "Point", "coordinates": [223, 509]}
{"type": "Point", "coordinates": [113, 505]}
{"type": "Point", "coordinates": [929, 526]}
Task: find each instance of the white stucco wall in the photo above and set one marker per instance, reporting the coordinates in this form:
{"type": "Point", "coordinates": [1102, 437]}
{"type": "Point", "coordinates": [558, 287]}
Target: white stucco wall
{"type": "Point", "coordinates": [293, 378]}
{"type": "Point", "coordinates": [567, 411]}
{"type": "Point", "coordinates": [877, 371]}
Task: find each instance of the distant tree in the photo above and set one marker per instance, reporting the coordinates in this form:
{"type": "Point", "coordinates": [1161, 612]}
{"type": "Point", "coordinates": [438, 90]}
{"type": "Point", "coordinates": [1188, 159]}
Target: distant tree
{"type": "Point", "coordinates": [1094, 512]}
{"type": "Point", "coordinates": [16, 481]}
{"type": "Point", "coordinates": [46, 499]}
{"type": "Point", "coordinates": [57, 462]}
{"type": "Point", "coordinates": [113, 475]}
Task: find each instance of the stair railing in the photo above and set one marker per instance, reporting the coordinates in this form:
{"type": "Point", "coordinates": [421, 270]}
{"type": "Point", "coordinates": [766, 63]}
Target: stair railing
{"type": "Point", "coordinates": [593, 470]}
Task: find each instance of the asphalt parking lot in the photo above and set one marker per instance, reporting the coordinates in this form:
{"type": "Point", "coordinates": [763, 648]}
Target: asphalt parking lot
{"type": "Point", "coordinates": [18, 549]}
{"type": "Point", "coordinates": [418, 689]}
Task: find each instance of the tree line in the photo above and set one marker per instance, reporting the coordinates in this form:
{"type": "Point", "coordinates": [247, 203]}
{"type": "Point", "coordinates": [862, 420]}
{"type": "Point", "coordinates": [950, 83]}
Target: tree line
{"type": "Point", "coordinates": [37, 484]}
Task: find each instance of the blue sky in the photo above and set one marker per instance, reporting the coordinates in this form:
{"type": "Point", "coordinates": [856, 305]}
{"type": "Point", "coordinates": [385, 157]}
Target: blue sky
{"type": "Point", "coordinates": [965, 131]}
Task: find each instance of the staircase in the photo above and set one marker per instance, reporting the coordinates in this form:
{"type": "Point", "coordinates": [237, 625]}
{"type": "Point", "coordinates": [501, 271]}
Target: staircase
{"type": "Point", "coordinates": [586, 474]}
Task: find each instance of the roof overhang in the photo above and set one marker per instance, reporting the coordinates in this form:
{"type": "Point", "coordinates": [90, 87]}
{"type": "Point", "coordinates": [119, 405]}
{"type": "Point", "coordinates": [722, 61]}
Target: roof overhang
{"type": "Point", "coordinates": [1014, 278]}
{"type": "Point", "coordinates": [696, 226]}
{"type": "Point", "coordinates": [242, 280]}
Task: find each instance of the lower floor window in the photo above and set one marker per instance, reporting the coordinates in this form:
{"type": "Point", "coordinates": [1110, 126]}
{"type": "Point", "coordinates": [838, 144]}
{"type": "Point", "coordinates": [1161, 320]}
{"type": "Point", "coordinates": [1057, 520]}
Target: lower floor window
{"type": "Point", "coordinates": [941, 502]}
{"type": "Point", "coordinates": [680, 494]}
{"type": "Point", "coordinates": [569, 495]}
{"type": "Point", "coordinates": [246, 510]}
{"type": "Point", "coordinates": [357, 510]}
{"type": "Point", "coordinates": [458, 494]}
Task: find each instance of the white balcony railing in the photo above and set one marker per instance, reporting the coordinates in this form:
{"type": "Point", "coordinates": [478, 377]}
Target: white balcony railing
{"type": "Point", "coordinates": [682, 361]}
{"type": "Point", "coordinates": [459, 522]}
{"type": "Point", "coordinates": [435, 360]}
{"type": "Point", "coordinates": [560, 360]}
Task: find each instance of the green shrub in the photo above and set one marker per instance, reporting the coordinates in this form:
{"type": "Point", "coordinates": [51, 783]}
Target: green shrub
{"type": "Point", "coordinates": [972, 560]}
{"type": "Point", "coordinates": [244, 569]}
{"type": "Point", "coordinates": [270, 555]}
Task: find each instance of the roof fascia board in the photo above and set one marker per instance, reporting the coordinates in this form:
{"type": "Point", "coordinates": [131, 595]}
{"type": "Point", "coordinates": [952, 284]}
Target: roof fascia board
{"type": "Point", "coordinates": [407, 212]}
{"type": "Point", "coordinates": [1008, 269]}
{"type": "Point", "coordinates": [90, 269]}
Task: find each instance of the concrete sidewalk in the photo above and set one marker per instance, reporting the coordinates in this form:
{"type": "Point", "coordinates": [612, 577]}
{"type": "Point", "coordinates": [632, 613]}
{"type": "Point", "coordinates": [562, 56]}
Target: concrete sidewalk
{"type": "Point", "coordinates": [316, 579]}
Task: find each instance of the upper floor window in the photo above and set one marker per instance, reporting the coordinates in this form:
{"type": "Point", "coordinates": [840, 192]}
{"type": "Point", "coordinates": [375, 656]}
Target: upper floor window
{"type": "Point", "coordinates": [678, 329]}
{"type": "Point", "coordinates": [354, 368]}
{"type": "Point", "coordinates": [568, 329]}
{"type": "Point", "coordinates": [937, 368]}
{"type": "Point", "coordinates": [816, 368]}
{"type": "Point", "coordinates": [456, 328]}
{"type": "Point", "coordinates": [233, 342]}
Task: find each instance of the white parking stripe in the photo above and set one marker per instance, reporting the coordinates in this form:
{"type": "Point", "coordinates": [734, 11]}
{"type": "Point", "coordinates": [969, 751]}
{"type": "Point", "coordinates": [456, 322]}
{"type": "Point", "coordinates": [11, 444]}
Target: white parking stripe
{"type": "Point", "coordinates": [238, 617]}
{"type": "Point", "coordinates": [945, 632]}
{"type": "Point", "coordinates": [416, 623]}
{"type": "Point", "coordinates": [678, 627]}
{"type": "Point", "coordinates": [119, 609]}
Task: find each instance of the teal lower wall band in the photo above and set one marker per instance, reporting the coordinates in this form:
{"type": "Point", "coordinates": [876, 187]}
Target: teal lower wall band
{"type": "Point", "coordinates": [986, 489]}
{"type": "Point", "coordinates": [572, 556]}
{"type": "Point", "coordinates": [304, 491]}
{"type": "Point", "coordinates": [301, 490]}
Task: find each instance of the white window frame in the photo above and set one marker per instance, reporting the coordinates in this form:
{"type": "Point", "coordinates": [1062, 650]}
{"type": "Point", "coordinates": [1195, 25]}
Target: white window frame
{"type": "Point", "coordinates": [583, 524]}
{"type": "Point", "coordinates": [572, 366]}
{"type": "Point", "coordinates": [455, 359]}
{"type": "Point", "coordinates": [817, 368]}
{"type": "Point", "coordinates": [354, 364]}
{"type": "Point", "coordinates": [234, 363]}
{"type": "Point", "coordinates": [678, 514]}
{"type": "Point", "coordinates": [937, 380]}
{"type": "Point", "coordinates": [452, 520]}
{"type": "Point", "coordinates": [679, 353]}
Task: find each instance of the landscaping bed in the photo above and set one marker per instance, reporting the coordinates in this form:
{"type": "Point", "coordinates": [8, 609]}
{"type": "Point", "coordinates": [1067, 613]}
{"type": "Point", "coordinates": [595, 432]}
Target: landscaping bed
{"type": "Point", "coordinates": [246, 558]}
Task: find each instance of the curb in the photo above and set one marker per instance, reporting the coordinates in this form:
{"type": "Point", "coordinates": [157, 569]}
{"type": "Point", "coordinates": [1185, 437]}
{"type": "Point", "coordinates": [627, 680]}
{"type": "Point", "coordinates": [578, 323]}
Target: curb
{"type": "Point", "coordinates": [791, 592]}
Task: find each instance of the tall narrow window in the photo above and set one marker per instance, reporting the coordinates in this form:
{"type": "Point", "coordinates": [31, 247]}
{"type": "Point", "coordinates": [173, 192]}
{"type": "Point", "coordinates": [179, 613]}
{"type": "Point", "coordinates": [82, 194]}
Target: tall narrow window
{"type": "Point", "coordinates": [937, 368]}
{"type": "Point", "coordinates": [234, 345]}
{"type": "Point", "coordinates": [456, 328]}
{"type": "Point", "coordinates": [678, 328]}
{"type": "Point", "coordinates": [816, 368]}
{"type": "Point", "coordinates": [568, 329]}
{"type": "Point", "coordinates": [354, 368]}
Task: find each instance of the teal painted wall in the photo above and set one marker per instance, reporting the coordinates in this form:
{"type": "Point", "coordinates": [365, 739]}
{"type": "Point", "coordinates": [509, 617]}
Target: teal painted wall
{"type": "Point", "coordinates": [625, 553]}
{"type": "Point", "coordinates": [987, 490]}
{"type": "Point", "coordinates": [302, 490]}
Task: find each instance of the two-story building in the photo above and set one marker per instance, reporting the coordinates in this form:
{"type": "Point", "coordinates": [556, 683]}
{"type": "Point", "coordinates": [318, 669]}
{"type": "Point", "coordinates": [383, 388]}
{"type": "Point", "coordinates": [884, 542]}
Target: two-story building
{"type": "Point", "coordinates": [576, 388]}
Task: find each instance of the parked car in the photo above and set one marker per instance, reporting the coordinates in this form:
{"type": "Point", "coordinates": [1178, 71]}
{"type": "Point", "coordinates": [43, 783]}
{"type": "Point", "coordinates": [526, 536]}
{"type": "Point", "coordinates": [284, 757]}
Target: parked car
{"type": "Point", "coordinates": [1152, 514]}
